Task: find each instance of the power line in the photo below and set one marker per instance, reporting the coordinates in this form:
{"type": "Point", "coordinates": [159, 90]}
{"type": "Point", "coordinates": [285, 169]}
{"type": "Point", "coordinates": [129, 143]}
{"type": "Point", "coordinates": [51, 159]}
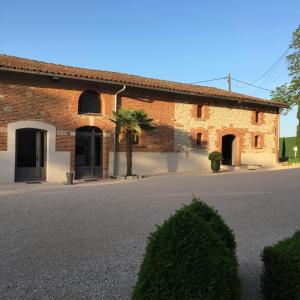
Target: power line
{"type": "Point", "coordinates": [275, 63]}
{"type": "Point", "coordinates": [277, 77]}
{"type": "Point", "coordinates": [229, 82]}
{"type": "Point", "coordinates": [273, 73]}
{"type": "Point", "coordinates": [271, 69]}
{"type": "Point", "coordinates": [209, 80]}
{"type": "Point", "coordinates": [250, 84]}
{"type": "Point", "coordinates": [268, 77]}
{"type": "Point", "coordinates": [273, 79]}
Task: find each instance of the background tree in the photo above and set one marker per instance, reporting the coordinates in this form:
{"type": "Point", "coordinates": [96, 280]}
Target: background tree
{"type": "Point", "coordinates": [130, 124]}
{"type": "Point", "coordinates": [290, 93]}
{"type": "Point", "coordinates": [283, 148]}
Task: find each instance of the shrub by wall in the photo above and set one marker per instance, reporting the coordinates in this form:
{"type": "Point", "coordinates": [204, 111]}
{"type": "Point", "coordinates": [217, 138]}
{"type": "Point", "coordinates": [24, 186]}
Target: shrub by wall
{"type": "Point", "coordinates": [190, 257]}
{"type": "Point", "coordinates": [281, 275]}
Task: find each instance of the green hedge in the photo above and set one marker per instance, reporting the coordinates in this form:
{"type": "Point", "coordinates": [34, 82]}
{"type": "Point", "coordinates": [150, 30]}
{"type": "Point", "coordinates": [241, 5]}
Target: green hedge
{"type": "Point", "coordinates": [281, 275]}
{"type": "Point", "coordinates": [191, 256]}
{"type": "Point", "coordinates": [294, 160]}
{"type": "Point", "coordinates": [290, 143]}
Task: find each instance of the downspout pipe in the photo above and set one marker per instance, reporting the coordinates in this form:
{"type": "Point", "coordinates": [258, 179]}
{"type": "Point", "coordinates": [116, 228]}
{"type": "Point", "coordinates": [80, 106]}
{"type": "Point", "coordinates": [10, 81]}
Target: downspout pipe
{"type": "Point", "coordinates": [116, 155]}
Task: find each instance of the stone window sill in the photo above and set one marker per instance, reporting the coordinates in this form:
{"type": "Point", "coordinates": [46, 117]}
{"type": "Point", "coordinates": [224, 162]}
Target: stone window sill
{"type": "Point", "coordinates": [138, 146]}
{"type": "Point", "coordinates": [200, 147]}
{"type": "Point", "coordinates": [259, 123]}
{"type": "Point", "coordinates": [91, 114]}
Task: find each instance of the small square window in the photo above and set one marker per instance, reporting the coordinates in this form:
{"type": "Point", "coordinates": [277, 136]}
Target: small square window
{"type": "Point", "coordinates": [199, 139]}
{"type": "Point", "coordinates": [256, 141]}
{"type": "Point", "coordinates": [199, 111]}
{"type": "Point", "coordinates": [257, 116]}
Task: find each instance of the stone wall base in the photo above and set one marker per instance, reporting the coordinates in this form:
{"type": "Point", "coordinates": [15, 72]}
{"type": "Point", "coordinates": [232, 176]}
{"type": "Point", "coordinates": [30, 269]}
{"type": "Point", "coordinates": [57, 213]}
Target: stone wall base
{"type": "Point", "coordinates": [149, 163]}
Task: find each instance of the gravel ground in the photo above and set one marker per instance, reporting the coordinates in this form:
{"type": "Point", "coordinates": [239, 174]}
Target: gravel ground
{"type": "Point", "coordinates": [86, 241]}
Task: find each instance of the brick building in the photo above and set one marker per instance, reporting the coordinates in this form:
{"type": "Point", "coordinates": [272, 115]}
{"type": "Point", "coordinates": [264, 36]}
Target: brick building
{"type": "Point", "coordinates": [55, 119]}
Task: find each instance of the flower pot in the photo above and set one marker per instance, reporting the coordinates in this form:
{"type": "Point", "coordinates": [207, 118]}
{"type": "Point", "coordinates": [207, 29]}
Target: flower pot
{"type": "Point", "coordinates": [215, 165]}
{"type": "Point", "coordinates": [70, 177]}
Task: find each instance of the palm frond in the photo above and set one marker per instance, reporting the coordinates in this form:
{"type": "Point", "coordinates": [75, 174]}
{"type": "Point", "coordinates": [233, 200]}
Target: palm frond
{"type": "Point", "coordinates": [133, 121]}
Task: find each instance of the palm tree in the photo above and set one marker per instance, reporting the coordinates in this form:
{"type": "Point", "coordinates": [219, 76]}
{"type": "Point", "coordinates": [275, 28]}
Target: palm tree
{"type": "Point", "coordinates": [130, 124]}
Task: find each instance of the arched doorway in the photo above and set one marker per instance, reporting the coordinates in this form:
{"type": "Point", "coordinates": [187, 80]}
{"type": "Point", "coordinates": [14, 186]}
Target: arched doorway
{"type": "Point", "coordinates": [31, 147]}
{"type": "Point", "coordinates": [228, 149]}
{"type": "Point", "coordinates": [88, 162]}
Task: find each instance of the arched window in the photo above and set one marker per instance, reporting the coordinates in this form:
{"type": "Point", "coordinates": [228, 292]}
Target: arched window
{"type": "Point", "coordinates": [89, 102]}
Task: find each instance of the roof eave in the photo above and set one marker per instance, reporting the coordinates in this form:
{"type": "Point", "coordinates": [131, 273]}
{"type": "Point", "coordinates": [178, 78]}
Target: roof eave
{"type": "Point", "coordinates": [91, 79]}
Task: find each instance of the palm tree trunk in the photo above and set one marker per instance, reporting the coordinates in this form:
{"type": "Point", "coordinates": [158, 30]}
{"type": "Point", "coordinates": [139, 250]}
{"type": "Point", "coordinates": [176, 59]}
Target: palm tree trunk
{"type": "Point", "coordinates": [129, 153]}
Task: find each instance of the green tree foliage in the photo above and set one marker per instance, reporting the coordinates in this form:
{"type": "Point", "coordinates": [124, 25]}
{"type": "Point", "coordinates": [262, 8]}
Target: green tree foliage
{"type": "Point", "coordinates": [290, 93]}
{"type": "Point", "coordinates": [290, 143]}
{"type": "Point", "coordinates": [281, 274]}
{"type": "Point", "coordinates": [130, 124]}
{"type": "Point", "coordinates": [191, 256]}
{"type": "Point", "coordinates": [283, 148]}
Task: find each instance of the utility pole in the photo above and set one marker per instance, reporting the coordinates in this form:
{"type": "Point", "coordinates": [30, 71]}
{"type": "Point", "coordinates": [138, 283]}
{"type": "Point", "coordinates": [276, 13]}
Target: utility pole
{"type": "Point", "coordinates": [229, 82]}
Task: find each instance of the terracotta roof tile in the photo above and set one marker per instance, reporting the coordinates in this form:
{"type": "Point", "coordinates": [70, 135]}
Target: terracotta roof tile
{"type": "Point", "coordinates": [27, 65]}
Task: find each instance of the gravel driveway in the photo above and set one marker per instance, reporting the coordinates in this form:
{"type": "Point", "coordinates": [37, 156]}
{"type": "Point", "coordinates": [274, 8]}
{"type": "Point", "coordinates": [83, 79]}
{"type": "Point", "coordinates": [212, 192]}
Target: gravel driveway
{"type": "Point", "coordinates": [86, 241]}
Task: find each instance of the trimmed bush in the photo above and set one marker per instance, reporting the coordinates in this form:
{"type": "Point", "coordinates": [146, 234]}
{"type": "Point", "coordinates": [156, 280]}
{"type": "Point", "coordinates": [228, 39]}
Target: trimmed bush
{"type": "Point", "coordinates": [209, 214]}
{"type": "Point", "coordinates": [281, 275]}
{"type": "Point", "coordinates": [215, 155]}
{"type": "Point", "coordinates": [191, 256]}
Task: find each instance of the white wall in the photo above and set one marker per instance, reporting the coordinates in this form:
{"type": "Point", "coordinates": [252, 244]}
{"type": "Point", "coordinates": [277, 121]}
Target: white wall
{"type": "Point", "coordinates": [148, 163]}
{"type": "Point", "coordinates": [58, 162]}
{"type": "Point", "coordinates": [265, 159]}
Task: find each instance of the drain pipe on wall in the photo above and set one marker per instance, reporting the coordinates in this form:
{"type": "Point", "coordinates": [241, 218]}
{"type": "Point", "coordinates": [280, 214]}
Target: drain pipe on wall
{"type": "Point", "coordinates": [116, 133]}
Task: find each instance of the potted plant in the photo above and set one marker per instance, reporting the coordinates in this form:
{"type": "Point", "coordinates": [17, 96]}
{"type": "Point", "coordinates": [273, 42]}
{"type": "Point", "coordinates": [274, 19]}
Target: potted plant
{"type": "Point", "coordinates": [70, 177]}
{"type": "Point", "coordinates": [215, 157]}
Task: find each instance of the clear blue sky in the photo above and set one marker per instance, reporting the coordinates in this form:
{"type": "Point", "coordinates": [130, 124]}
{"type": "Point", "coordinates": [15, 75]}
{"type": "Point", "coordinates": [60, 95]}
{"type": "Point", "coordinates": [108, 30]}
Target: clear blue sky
{"type": "Point", "coordinates": [185, 41]}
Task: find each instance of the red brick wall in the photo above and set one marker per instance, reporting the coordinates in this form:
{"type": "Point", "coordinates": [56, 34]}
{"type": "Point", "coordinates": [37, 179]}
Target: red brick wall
{"type": "Point", "coordinates": [35, 98]}
{"type": "Point", "coordinates": [162, 112]}
{"type": "Point", "coordinates": [29, 98]}
{"type": "Point", "coordinates": [38, 98]}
